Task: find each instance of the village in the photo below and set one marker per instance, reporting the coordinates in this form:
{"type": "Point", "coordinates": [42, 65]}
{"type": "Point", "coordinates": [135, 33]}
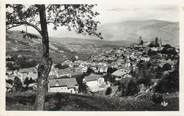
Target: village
{"type": "Point", "coordinates": [104, 72]}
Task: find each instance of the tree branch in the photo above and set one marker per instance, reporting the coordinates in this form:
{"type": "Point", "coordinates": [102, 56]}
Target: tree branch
{"type": "Point", "coordinates": [24, 23]}
{"type": "Point", "coordinates": [7, 28]}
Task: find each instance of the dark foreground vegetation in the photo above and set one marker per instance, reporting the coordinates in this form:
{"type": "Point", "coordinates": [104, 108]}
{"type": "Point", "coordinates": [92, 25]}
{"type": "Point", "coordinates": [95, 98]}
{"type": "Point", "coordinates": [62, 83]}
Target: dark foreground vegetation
{"type": "Point", "coordinates": [73, 102]}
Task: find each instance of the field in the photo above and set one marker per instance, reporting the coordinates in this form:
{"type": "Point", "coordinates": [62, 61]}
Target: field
{"type": "Point", "coordinates": [73, 102]}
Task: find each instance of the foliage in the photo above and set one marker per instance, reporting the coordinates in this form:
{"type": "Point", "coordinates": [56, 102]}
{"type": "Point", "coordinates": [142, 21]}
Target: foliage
{"type": "Point", "coordinates": [141, 42]}
{"type": "Point", "coordinates": [157, 98]}
{"type": "Point", "coordinates": [21, 62]}
{"type": "Point", "coordinates": [28, 81]}
{"type": "Point", "coordinates": [9, 81]}
{"type": "Point", "coordinates": [78, 17]}
{"type": "Point", "coordinates": [143, 73]}
{"type": "Point", "coordinates": [169, 50]}
{"type": "Point", "coordinates": [109, 77]}
{"type": "Point", "coordinates": [152, 53]}
{"type": "Point", "coordinates": [108, 91]}
{"type": "Point", "coordinates": [17, 84]}
{"type": "Point", "coordinates": [166, 67]}
{"type": "Point", "coordinates": [128, 87]}
{"type": "Point", "coordinates": [154, 43]}
{"type": "Point", "coordinates": [72, 102]}
{"type": "Point", "coordinates": [82, 86]}
{"type": "Point", "coordinates": [60, 66]}
{"type": "Point", "coordinates": [169, 83]}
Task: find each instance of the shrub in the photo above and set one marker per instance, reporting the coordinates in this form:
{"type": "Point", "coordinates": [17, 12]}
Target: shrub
{"type": "Point", "coordinates": [82, 85]}
{"type": "Point", "coordinates": [151, 52]}
{"type": "Point", "coordinates": [108, 91]}
{"type": "Point", "coordinates": [17, 84]}
{"type": "Point", "coordinates": [9, 81]}
{"type": "Point", "coordinates": [169, 83]}
{"type": "Point", "coordinates": [59, 66]}
{"type": "Point", "coordinates": [169, 50]}
{"type": "Point", "coordinates": [166, 67]}
{"type": "Point", "coordinates": [157, 98]}
{"type": "Point", "coordinates": [128, 87]}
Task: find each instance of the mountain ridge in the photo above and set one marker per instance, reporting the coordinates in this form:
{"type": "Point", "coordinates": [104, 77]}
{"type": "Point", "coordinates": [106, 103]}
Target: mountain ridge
{"type": "Point", "coordinates": [148, 29]}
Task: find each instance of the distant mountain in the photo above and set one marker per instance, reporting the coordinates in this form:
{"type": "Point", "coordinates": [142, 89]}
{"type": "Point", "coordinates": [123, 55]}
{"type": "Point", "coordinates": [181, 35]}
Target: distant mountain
{"type": "Point", "coordinates": [148, 29]}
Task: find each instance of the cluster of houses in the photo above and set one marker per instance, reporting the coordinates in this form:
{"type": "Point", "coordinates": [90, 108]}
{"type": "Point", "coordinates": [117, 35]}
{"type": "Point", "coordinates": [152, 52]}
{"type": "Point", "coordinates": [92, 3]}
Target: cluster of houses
{"type": "Point", "coordinates": [123, 59]}
{"type": "Point", "coordinates": [63, 80]}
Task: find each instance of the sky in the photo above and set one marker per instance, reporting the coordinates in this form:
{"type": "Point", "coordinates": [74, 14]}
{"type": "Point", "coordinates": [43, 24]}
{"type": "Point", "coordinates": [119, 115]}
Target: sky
{"type": "Point", "coordinates": [139, 10]}
{"type": "Point", "coordinates": [123, 10]}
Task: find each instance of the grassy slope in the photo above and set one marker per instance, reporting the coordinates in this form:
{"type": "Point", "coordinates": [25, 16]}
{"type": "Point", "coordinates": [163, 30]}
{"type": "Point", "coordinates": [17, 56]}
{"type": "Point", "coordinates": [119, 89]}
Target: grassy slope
{"type": "Point", "coordinates": [60, 48]}
{"type": "Point", "coordinates": [71, 102]}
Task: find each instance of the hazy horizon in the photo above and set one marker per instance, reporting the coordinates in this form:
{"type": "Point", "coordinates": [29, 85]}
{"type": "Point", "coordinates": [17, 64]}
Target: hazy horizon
{"type": "Point", "coordinates": [116, 12]}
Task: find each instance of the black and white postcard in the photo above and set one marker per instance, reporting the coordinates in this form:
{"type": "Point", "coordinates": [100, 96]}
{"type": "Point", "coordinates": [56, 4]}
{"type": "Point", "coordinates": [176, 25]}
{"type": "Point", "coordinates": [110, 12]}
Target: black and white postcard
{"type": "Point", "coordinates": [110, 55]}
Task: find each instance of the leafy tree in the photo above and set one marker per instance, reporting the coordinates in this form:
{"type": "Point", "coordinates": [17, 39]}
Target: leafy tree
{"type": "Point", "coordinates": [169, 50]}
{"type": "Point", "coordinates": [128, 87]}
{"type": "Point", "coordinates": [156, 42]}
{"type": "Point", "coordinates": [26, 82]}
{"type": "Point", "coordinates": [9, 81]}
{"type": "Point", "coordinates": [17, 84]}
{"type": "Point", "coordinates": [79, 17]}
{"type": "Point", "coordinates": [166, 67]}
{"type": "Point", "coordinates": [31, 80]}
{"type": "Point", "coordinates": [108, 91]}
{"type": "Point", "coordinates": [169, 81]}
{"type": "Point", "coordinates": [141, 42]}
{"type": "Point", "coordinates": [82, 85]}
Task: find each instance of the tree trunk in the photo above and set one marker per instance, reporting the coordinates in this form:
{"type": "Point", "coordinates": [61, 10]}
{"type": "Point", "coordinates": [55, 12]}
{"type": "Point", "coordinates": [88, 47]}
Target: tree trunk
{"type": "Point", "coordinates": [45, 64]}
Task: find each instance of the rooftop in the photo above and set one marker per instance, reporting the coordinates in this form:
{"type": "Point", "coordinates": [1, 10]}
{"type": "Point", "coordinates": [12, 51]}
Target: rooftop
{"type": "Point", "coordinates": [92, 77]}
{"type": "Point", "coordinates": [119, 73]}
{"type": "Point", "coordinates": [25, 70]}
{"type": "Point", "coordinates": [68, 82]}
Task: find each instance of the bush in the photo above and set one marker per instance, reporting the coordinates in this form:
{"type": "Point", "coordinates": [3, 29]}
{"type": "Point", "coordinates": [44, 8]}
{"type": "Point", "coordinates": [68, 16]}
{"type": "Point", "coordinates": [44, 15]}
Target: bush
{"type": "Point", "coordinates": [128, 87]}
{"type": "Point", "coordinates": [108, 91]}
{"type": "Point", "coordinates": [151, 52]}
{"type": "Point", "coordinates": [109, 77]}
{"type": "Point", "coordinates": [166, 67]}
{"type": "Point", "coordinates": [169, 50]}
{"type": "Point", "coordinates": [17, 84]}
{"type": "Point", "coordinates": [59, 66]}
{"type": "Point", "coordinates": [9, 81]}
{"type": "Point", "coordinates": [169, 83]}
{"type": "Point", "coordinates": [82, 85]}
{"type": "Point", "coordinates": [144, 77]}
{"type": "Point", "coordinates": [157, 98]}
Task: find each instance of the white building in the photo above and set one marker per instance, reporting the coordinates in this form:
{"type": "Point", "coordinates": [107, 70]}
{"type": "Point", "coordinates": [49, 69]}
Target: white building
{"type": "Point", "coordinates": [119, 74]}
{"type": "Point", "coordinates": [64, 85]}
{"type": "Point", "coordinates": [24, 73]}
{"type": "Point", "coordinates": [95, 83]}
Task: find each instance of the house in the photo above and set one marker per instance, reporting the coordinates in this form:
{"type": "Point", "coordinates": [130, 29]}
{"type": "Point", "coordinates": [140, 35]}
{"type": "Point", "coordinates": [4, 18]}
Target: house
{"type": "Point", "coordinates": [23, 73]}
{"type": "Point", "coordinates": [9, 72]}
{"type": "Point", "coordinates": [68, 62]}
{"type": "Point", "coordinates": [95, 83]}
{"type": "Point", "coordinates": [9, 87]}
{"type": "Point", "coordinates": [69, 72]}
{"type": "Point", "coordinates": [65, 85]}
{"type": "Point", "coordinates": [53, 71]}
{"type": "Point", "coordinates": [103, 69]}
{"type": "Point", "coordinates": [64, 73]}
{"type": "Point", "coordinates": [119, 74]}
